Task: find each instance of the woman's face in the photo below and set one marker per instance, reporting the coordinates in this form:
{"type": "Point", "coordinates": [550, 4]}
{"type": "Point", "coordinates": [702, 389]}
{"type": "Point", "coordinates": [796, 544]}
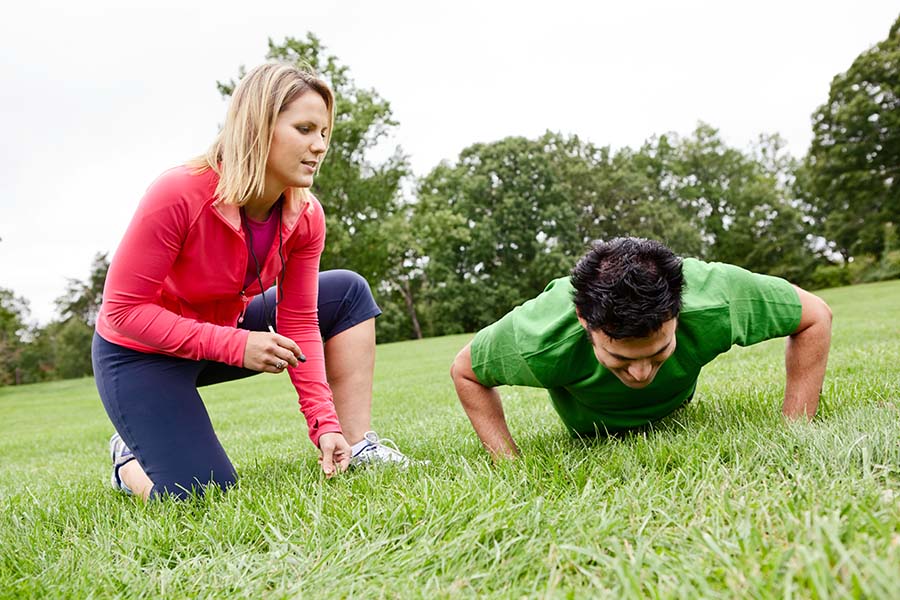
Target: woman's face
{"type": "Point", "coordinates": [298, 142]}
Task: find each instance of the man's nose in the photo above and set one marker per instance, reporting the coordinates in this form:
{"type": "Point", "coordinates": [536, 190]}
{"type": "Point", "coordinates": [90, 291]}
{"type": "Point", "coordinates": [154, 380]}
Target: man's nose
{"type": "Point", "coordinates": [640, 370]}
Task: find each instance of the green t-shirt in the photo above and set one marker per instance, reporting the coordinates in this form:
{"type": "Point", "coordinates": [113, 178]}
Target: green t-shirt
{"type": "Point", "coordinates": [542, 344]}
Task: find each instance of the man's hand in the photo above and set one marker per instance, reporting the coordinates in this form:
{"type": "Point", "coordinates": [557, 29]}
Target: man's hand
{"type": "Point", "coordinates": [483, 407]}
{"type": "Point", "coordinates": [334, 453]}
{"type": "Point", "coordinates": [270, 352]}
{"type": "Point", "coordinates": [806, 357]}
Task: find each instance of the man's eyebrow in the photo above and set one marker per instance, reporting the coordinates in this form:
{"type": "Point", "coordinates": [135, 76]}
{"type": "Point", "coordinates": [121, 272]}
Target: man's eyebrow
{"type": "Point", "coordinates": [660, 351]}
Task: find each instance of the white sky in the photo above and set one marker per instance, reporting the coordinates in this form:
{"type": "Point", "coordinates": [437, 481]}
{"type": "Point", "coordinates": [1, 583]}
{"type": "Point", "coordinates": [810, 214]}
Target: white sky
{"type": "Point", "coordinates": [96, 99]}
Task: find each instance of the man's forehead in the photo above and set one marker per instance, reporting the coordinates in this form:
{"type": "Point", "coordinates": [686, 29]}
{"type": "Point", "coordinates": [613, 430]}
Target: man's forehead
{"type": "Point", "coordinates": [638, 347]}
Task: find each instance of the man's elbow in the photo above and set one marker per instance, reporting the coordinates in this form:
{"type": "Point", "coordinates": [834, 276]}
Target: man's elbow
{"type": "Point", "coordinates": [464, 378]}
{"type": "Point", "coordinates": [460, 365]}
{"type": "Point", "coordinates": [824, 315]}
{"type": "Point", "coordinates": [816, 315]}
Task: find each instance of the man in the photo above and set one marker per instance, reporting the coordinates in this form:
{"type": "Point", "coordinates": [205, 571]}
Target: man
{"type": "Point", "coordinates": [621, 343]}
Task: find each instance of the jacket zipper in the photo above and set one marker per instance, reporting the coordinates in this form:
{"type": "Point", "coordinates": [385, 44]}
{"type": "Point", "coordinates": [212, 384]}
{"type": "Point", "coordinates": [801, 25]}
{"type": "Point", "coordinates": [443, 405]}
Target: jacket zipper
{"type": "Point", "coordinates": [246, 301]}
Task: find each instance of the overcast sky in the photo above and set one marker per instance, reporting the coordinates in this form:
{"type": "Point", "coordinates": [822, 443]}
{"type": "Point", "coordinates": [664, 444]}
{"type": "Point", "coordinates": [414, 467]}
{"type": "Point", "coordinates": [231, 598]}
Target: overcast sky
{"type": "Point", "coordinates": [98, 99]}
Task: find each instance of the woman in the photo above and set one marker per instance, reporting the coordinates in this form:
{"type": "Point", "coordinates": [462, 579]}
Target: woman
{"type": "Point", "coordinates": [184, 307]}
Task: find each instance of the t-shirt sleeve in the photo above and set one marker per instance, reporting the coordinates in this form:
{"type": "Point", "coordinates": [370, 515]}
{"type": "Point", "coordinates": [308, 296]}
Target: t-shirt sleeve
{"type": "Point", "coordinates": [496, 357]}
{"type": "Point", "coordinates": [762, 307]}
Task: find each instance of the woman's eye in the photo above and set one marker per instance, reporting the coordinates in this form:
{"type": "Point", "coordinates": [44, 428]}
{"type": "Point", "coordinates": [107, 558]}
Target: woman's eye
{"type": "Point", "coordinates": [303, 129]}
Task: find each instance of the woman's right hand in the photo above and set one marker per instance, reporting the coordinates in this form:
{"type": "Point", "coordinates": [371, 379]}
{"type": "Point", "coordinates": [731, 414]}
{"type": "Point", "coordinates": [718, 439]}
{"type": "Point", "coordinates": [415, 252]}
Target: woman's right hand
{"type": "Point", "coordinates": [270, 352]}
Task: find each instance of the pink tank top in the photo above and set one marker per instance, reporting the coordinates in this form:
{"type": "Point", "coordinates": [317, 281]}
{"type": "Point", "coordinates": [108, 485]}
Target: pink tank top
{"type": "Point", "coordinates": [262, 234]}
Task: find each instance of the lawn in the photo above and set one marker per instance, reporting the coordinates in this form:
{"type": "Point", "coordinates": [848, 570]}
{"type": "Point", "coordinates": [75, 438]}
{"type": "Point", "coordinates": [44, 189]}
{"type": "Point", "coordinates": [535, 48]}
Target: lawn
{"type": "Point", "coordinates": [721, 499]}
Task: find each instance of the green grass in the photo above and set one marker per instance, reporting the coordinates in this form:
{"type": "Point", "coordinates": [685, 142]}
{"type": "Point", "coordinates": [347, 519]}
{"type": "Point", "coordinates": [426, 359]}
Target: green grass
{"type": "Point", "coordinates": [722, 499]}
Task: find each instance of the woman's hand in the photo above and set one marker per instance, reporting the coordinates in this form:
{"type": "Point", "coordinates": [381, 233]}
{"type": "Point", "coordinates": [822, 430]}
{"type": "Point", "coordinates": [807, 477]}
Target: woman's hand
{"type": "Point", "coordinates": [270, 352]}
{"type": "Point", "coordinates": [334, 453]}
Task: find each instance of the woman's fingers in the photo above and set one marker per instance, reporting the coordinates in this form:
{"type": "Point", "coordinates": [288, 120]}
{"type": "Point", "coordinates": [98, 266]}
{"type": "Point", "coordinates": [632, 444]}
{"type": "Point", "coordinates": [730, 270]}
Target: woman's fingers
{"type": "Point", "coordinates": [284, 358]}
{"type": "Point", "coordinates": [289, 345]}
{"type": "Point", "coordinates": [270, 352]}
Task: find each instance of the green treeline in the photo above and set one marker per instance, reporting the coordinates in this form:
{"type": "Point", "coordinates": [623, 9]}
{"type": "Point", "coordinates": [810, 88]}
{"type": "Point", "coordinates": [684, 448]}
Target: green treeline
{"type": "Point", "coordinates": [452, 251]}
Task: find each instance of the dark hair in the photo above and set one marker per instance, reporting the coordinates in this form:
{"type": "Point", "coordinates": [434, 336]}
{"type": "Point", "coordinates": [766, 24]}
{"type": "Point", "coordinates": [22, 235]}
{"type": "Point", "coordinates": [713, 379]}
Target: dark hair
{"type": "Point", "coordinates": [628, 287]}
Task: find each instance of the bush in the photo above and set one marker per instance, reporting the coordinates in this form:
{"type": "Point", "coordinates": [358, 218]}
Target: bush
{"type": "Point", "coordinates": [890, 263]}
{"type": "Point", "coordinates": [887, 268]}
{"type": "Point", "coordinates": [829, 276]}
{"type": "Point", "coordinates": [394, 324]}
{"type": "Point", "coordinates": [860, 267]}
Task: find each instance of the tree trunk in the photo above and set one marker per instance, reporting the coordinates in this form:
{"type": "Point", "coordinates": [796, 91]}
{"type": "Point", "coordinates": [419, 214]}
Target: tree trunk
{"type": "Point", "coordinates": [406, 290]}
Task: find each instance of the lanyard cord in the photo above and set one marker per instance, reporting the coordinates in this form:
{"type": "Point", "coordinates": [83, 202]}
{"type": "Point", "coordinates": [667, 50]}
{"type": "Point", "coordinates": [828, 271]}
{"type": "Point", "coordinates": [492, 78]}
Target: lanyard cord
{"type": "Point", "coordinates": [279, 282]}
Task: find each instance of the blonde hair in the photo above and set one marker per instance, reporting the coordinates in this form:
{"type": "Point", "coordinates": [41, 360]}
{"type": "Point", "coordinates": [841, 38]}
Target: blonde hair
{"type": "Point", "coordinates": [240, 151]}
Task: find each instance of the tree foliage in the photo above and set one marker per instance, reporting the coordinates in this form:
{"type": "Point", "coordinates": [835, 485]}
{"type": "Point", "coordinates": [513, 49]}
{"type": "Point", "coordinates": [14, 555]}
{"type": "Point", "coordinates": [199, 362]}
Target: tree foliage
{"type": "Point", "coordinates": [494, 226]}
{"type": "Point", "coordinates": [742, 206]}
{"type": "Point", "coordinates": [511, 215]}
{"type": "Point", "coordinates": [14, 312]}
{"type": "Point", "coordinates": [82, 298]}
{"type": "Point", "coordinates": [488, 231]}
{"type": "Point", "coordinates": [60, 349]}
{"type": "Point", "coordinates": [854, 160]}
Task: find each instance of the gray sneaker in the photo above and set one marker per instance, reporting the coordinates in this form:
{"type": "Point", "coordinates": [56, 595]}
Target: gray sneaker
{"type": "Point", "coordinates": [379, 451]}
{"type": "Point", "coordinates": [120, 454]}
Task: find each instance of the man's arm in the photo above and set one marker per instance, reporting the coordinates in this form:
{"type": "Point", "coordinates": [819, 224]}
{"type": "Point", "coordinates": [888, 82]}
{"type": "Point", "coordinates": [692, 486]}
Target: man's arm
{"type": "Point", "coordinates": [806, 356]}
{"type": "Point", "coordinates": [483, 407]}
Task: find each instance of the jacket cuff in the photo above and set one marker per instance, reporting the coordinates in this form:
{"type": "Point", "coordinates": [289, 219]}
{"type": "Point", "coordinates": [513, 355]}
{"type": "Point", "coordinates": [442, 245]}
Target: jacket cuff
{"type": "Point", "coordinates": [319, 425]}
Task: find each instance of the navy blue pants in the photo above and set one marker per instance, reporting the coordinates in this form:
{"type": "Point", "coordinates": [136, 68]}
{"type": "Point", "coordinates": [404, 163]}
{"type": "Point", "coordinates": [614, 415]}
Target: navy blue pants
{"type": "Point", "coordinates": [152, 399]}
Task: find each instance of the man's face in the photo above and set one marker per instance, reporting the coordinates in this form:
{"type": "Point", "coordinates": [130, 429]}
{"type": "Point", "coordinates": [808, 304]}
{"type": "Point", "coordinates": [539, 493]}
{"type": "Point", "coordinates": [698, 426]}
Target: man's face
{"type": "Point", "coordinates": [635, 361]}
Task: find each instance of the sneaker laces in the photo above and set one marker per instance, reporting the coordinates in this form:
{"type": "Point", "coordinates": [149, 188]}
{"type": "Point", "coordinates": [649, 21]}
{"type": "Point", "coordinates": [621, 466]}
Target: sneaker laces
{"type": "Point", "coordinates": [379, 450]}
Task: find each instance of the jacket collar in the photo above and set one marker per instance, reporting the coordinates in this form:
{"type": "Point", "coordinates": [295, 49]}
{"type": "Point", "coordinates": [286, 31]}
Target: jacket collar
{"type": "Point", "coordinates": [293, 207]}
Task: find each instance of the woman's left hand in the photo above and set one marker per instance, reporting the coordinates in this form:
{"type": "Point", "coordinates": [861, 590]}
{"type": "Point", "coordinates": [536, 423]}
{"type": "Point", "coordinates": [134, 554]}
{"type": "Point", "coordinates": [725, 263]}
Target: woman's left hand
{"type": "Point", "coordinates": [270, 352]}
{"type": "Point", "coordinates": [334, 453]}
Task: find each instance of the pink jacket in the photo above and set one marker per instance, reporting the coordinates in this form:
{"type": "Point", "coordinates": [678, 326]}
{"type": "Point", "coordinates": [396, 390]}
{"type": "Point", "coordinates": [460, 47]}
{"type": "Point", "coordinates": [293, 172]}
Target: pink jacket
{"type": "Point", "coordinates": [174, 285]}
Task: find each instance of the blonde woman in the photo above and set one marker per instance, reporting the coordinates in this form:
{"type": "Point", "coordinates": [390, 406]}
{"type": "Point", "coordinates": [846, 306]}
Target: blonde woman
{"type": "Point", "coordinates": [217, 278]}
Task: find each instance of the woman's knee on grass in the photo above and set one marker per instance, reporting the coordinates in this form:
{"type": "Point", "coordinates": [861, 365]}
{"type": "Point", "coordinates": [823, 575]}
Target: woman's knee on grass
{"type": "Point", "coordinates": [194, 486]}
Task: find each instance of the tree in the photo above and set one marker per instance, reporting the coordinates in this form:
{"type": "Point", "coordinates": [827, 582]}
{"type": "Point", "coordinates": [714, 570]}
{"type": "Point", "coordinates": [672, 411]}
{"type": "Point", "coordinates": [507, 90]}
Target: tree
{"type": "Point", "coordinates": [14, 312]}
{"type": "Point", "coordinates": [631, 200]}
{"type": "Point", "coordinates": [514, 214]}
{"type": "Point", "coordinates": [854, 159]}
{"type": "Point", "coordinates": [404, 276]}
{"type": "Point", "coordinates": [496, 227]}
{"type": "Point", "coordinates": [37, 361]}
{"type": "Point", "coordinates": [62, 349]}
{"type": "Point", "coordinates": [71, 341]}
{"type": "Point", "coordinates": [743, 206]}
{"type": "Point", "coordinates": [82, 298]}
